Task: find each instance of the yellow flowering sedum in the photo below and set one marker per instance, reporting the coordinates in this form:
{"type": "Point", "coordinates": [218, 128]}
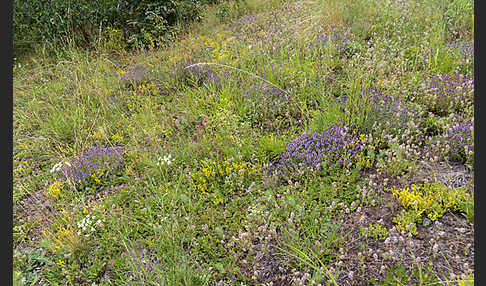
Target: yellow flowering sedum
{"type": "Point", "coordinates": [430, 200]}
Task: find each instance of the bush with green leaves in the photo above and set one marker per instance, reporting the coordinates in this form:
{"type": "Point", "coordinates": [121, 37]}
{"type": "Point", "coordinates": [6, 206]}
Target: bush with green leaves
{"type": "Point", "coordinates": [82, 22]}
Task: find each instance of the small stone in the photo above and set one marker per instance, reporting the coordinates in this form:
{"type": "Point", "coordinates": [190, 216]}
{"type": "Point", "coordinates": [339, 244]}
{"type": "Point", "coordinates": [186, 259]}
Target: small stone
{"type": "Point", "coordinates": [426, 222]}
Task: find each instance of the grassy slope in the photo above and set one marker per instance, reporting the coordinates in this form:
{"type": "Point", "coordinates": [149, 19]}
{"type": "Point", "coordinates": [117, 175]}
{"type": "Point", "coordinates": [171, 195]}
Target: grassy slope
{"type": "Point", "coordinates": [221, 212]}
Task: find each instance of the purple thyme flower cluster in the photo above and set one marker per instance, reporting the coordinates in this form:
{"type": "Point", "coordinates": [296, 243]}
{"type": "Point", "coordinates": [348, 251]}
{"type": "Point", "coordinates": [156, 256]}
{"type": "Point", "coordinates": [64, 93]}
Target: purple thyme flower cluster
{"type": "Point", "coordinates": [446, 93]}
{"type": "Point", "coordinates": [340, 39]}
{"type": "Point", "coordinates": [337, 145]}
{"type": "Point", "coordinates": [391, 107]}
{"type": "Point", "coordinates": [137, 74]}
{"type": "Point", "coordinates": [464, 50]}
{"type": "Point", "coordinates": [385, 109]}
{"type": "Point", "coordinates": [461, 140]}
{"type": "Point", "coordinates": [92, 161]}
{"type": "Point", "coordinates": [204, 75]}
{"type": "Point", "coordinates": [265, 101]}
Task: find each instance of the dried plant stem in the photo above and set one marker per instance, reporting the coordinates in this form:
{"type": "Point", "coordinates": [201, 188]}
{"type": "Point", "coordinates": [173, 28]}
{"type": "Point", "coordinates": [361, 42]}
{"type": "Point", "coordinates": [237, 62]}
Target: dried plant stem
{"type": "Point", "coordinates": [237, 69]}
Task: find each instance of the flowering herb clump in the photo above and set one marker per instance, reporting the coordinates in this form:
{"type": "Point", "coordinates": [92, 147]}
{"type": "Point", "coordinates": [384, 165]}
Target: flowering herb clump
{"type": "Point", "coordinates": [137, 74]}
{"type": "Point", "coordinates": [338, 145]}
{"type": "Point", "coordinates": [380, 110]}
{"type": "Point", "coordinates": [465, 51]}
{"type": "Point", "coordinates": [391, 107]}
{"type": "Point", "coordinates": [218, 179]}
{"type": "Point", "coordinates": [265, 102]}
{"type": "Point", "coordinates": [461, 140]}
{"type": "Point", "coordinates": [445, 93]}
{"type": "Point", "coordinates": [204, 75]}
{"type": "Point", "coordinates": [91, 165]}
{"type": "Point", "coordinates": [341, 40]}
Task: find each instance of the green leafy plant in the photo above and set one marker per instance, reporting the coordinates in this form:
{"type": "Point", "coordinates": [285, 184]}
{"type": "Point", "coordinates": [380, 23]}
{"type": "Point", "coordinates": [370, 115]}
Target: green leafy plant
{"type": "Point", "coordinates": [375, 231]}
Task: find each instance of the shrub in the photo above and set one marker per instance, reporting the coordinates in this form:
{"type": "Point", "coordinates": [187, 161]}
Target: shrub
{"type": "Point", "coordinates": [82, 21]}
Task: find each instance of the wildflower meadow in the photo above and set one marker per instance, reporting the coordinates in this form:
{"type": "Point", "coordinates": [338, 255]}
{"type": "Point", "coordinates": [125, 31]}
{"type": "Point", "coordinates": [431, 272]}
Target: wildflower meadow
{"type": "Point", "coordinates": [275, 142]}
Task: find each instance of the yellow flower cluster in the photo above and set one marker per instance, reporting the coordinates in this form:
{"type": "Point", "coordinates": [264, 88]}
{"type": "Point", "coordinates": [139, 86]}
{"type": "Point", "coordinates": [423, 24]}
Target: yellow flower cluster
{"type": "Point", "coordinates": [147, 88]}
{"type": "Point", "coordinates": [111, 30]}
{"type": "Point", "coordinates": [218, 48]}
{"type": "Point", "coordinates": [97, 175]}
{"type": "Point", "coordinates": [20, 167]}
{"type": "Point", "coordinates": [361, 138]}
{"type": "Point", "coordinates": [362, 160]}
{"type": "Point", "coordinates": [63, 235]}
{"type": "Point", "coordinates": [55, 189]}
{"type": "Point", "coordinates": [96, 134]}
{"type": "Point", "coordinates": [213, 173]}
{"type": "Point", "coordinates": [429, 199]}
{"type": "Point", "coordinates": [61, 263]}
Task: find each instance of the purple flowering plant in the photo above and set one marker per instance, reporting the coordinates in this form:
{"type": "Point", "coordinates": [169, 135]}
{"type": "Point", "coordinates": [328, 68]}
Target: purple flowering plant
{"type": "Point", "coordinates": [454, 57]}
{"type": "Point", "coordinates": [446, 93]}
{"type": "Point", "coordinates": [204, 75]}
{"type": "Point", "coordinates": [464, 50]}
{"type": "Point", "coordinates": [375, 111]}
{"type": "Point", "coordinates": [91, 165]}
{"type": "Point", "coordinates": [334, 37]}
{"type": "Point", "coordinates": [460, 140]}
{"type": "Point", "coordinates": [137, 74]}
{"type": "Point", "coordinates": [337, 146]}
{"type": "Point", "coordinates": [264, 104]}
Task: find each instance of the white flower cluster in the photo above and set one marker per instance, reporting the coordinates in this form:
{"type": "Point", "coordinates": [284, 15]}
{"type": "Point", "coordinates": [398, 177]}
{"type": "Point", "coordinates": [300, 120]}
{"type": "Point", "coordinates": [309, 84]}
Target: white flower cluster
{"type": "Point", "coordinates": [87, 225]}
{"type": "Point", "coordinates": [165, 161]}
